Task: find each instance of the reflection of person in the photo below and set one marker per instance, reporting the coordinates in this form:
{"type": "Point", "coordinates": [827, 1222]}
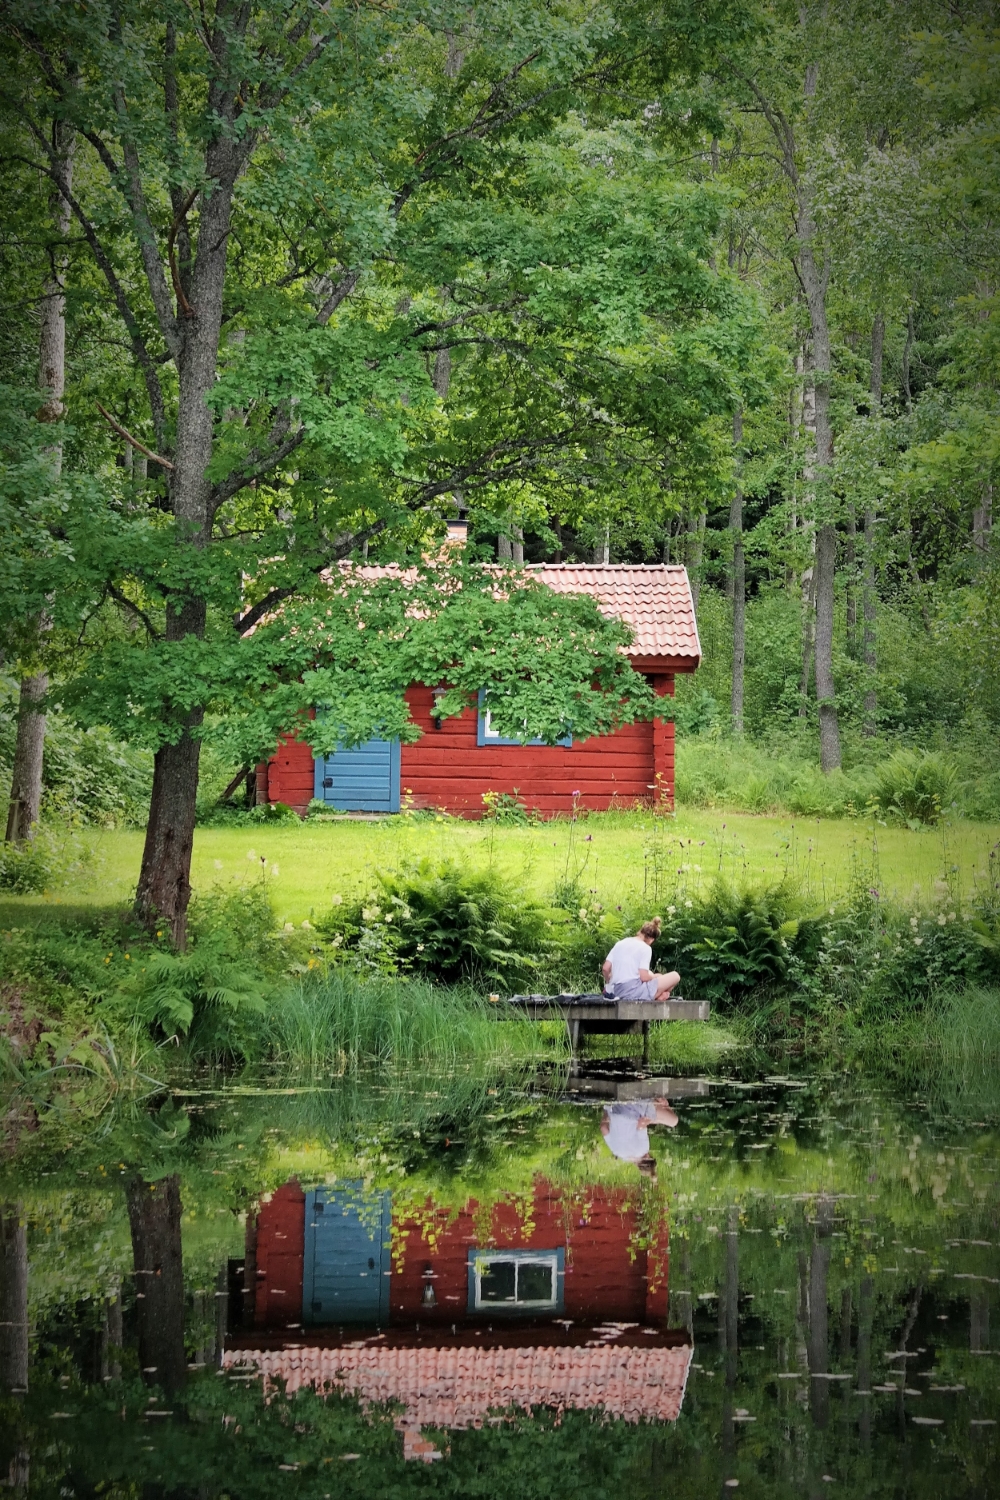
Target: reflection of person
{"type": "Point", "coordinates": [625, 1128]}
{"type": "Point", "coordinates": [627, 972]}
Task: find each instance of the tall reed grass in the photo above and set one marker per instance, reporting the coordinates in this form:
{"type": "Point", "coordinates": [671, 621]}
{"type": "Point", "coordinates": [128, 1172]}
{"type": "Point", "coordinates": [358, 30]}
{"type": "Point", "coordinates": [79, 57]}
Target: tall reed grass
{"type": "Point", "coordinates": [342, 1022]}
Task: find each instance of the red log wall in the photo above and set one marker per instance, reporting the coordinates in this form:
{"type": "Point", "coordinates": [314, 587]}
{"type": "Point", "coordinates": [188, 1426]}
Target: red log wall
{"type": "Point", "coordinates": [447, 769]}
{"type": "Point", "coordinates": [281, 1235]}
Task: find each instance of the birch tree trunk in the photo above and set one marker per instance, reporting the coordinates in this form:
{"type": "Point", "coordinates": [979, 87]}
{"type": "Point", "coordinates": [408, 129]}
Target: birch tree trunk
{"type": "Point", "coordinates": [29, 748]}
{"type": "Point", "coordinates": [739, 581]}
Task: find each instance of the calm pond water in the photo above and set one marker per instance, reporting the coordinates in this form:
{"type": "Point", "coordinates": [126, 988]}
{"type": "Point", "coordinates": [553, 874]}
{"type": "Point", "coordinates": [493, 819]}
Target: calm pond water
{"type": "Point", "coordinates": [472, 1285]}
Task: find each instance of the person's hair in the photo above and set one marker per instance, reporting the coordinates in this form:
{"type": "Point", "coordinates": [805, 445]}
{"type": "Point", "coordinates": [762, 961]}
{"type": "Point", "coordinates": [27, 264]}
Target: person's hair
{"type": "Point", "coordinates": [651, 929]}
{"type": "Point", "coordinates": [647, 1166]}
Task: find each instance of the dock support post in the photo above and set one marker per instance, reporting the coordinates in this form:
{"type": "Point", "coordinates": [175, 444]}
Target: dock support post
{"type": "Point", "coordinates": [573, 1027]}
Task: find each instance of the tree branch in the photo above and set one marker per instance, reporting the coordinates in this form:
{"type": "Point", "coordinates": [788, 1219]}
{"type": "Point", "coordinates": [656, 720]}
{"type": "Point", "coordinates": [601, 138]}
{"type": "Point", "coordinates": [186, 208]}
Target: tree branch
{"type": "Point", "coordinates": [163, 462]}
{"type": "Point", "coordinates": [257, 466]}
{"type": "Point", "coordinates": [254, 615]}
{"type": "Point", "coordinates": [143, 357]}
{"type": "Point", "coordinates": [140, 614]}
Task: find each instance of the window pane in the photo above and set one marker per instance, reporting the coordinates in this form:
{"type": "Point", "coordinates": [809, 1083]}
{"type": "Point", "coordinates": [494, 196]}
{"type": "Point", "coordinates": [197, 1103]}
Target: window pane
{"type": "Point", "coordinates": [534, 1282]}
{"type": "Point", "coordinates": [497, 1281]}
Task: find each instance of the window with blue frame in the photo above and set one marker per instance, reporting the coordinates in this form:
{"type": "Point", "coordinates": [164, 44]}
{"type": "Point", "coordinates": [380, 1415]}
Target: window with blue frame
{"type": "Point", "coordinates": [487, 735]}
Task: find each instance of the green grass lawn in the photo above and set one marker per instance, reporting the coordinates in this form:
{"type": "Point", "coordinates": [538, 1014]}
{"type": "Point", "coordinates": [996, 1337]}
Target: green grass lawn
{"type": "Point", "coordinates": [615, 855]}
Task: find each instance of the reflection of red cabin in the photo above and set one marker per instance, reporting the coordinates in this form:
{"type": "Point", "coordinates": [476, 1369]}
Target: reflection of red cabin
{"type": "Point", "coordinates": [607, 1274]}
{"type": "Point", "coordinates": [457, 761]}
{"type": "Point", "coordinates": [446, 1356]}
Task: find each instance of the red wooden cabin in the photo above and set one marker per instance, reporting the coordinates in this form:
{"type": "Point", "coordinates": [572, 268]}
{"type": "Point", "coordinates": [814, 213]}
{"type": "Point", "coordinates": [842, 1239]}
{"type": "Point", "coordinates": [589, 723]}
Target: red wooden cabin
{"type": "Point", "coordinates": [560, 1305]}
{"type": "Point", "coordinates": [458, 760]}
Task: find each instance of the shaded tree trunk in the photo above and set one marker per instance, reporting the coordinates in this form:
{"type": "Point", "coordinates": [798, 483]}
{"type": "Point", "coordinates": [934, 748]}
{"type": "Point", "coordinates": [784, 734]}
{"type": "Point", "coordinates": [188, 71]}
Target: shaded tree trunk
{"type": "Point", "coordinates": [851, 559]}
{"type": "Point", "coordinates": [869, 595]}
{"type": "Point", "coordinates": [13, 1299]}
{"type": "Point", "coordinates": [29, 756]}
{"type": "Point", "coordinates": [739, 580]}
{"type": "Point", "coordinates": [695, 554]}
{"type": "Point", "coordinates": [164, 886]}
{"type": "Point", "coordinates": [982, 519]}
{"type": "Point", "coordinates": [29, 748]}
{"type": "Point", "coordinates": [154, 1215]}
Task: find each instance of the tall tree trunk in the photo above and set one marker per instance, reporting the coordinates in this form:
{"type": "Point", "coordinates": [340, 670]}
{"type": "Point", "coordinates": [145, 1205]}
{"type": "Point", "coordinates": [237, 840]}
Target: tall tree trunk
{"type": "Point", "coordinates": [13, 1299]}
{"type": "Point", "coordinates": [154, 1215]}
{"type": "Point", "coordinates": [739, 577]}
{"type": "Point", "coordinates": [602, 548]}
{"type": "Point", "coordinates": [29, 748]}
{"type": "Point", "coordinates": [869, 595]}
{"type": "Point", "coordinates": [164, 886]}
{"type": "Point", "coordinates": [694, 555]}
{"type": "Point", "coordinates": [851, 559]}
{"type": "Point", "coordinates": [29, 755]}
{"type": "Point", "coordinates": [982, 518]}
{"type": "Point", "coordinates": [815, 281]}
{"type": "Point", "coordinates": [808, 637]}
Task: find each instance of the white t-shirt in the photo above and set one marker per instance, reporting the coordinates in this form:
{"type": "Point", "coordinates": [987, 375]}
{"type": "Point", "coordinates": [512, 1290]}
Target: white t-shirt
{"type": "Point", "coordinates": [627, 958]}
{"type": "Point", "coordinates": [625, 1138]}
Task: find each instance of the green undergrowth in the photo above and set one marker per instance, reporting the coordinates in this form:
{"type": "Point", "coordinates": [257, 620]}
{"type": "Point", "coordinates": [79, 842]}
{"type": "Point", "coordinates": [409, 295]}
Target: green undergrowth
{"type": "Point", "coordinates": [402, 973]}
{"type": "Point", "coordinates": [905, 786]}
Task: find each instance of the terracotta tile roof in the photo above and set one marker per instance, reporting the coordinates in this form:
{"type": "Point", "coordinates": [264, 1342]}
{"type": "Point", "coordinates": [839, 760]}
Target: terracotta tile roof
{"type": "Point", "coordinates": [457, 1386]}
{"type": "Point", "coordinates": [654, 599]}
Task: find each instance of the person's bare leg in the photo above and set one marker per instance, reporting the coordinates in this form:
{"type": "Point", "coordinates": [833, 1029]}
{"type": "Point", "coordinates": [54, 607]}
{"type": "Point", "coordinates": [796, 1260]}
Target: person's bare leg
{"type": "Point", "coordinates": [665, 983]}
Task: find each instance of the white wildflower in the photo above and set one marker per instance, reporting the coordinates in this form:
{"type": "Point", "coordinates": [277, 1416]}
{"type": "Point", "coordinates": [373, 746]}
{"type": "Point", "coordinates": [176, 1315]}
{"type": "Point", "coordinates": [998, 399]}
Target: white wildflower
{"type": "Point", "coordinates": [942, 919]}
{"type": "Point", "coordinates": [274, 870]}
{"type": "Point", "coordinates": [917, 942]}
{"type": "Point", "coordinates": [217, 863]}
{"type": "Point", "coordinates": [914, 922]}
{"type": "Point", "coordinates": [671, 910]}
{"type": "Point", "coordinates": [583, 913]}
{"type": "Point", "coordinates": [336, 899]}
{"type": "Point", "coordinates": [689, 904]}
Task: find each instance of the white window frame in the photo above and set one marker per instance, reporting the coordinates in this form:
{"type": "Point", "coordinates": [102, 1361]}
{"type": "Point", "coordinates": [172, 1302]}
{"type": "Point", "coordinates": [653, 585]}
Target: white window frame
{"type": "Point", "coordinates": [480, 1260]}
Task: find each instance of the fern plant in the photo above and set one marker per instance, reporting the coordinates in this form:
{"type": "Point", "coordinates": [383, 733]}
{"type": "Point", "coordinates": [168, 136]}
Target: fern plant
{"type": "Point", "coordinates": [731, 941]}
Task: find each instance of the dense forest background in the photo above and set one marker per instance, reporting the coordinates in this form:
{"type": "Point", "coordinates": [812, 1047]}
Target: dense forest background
{"type": "Point", "coordinates": [715, 284]}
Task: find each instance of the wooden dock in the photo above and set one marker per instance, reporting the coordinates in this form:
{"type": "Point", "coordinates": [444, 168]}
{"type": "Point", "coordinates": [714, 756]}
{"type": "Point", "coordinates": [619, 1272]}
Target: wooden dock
{"type": "Point", "coordinates": [594, 1014]}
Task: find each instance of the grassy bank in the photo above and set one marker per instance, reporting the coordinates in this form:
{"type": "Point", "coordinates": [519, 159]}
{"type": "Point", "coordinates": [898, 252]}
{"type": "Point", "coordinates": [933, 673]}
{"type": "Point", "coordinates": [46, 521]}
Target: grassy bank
{"type": "Point", "coordinates": [619, 857]}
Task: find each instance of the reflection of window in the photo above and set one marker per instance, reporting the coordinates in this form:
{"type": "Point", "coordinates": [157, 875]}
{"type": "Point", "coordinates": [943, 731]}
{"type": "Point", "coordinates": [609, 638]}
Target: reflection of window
{"type": "Point", "coordinates": [487, 735]}
{"type": "Point", "coordinates": [515, 1280]}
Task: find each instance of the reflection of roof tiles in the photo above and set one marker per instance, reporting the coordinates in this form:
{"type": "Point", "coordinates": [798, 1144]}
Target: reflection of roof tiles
{"type": "Point", "coordinates": [653, 599]}
{"type": "Point", "coordinates": [456, 1386]}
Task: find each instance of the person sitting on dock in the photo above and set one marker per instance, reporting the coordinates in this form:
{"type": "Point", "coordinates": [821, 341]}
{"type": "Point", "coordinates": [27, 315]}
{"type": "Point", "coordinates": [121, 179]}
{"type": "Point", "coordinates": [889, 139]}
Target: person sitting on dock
{"type": "Point", "coordinates": [627, 971]}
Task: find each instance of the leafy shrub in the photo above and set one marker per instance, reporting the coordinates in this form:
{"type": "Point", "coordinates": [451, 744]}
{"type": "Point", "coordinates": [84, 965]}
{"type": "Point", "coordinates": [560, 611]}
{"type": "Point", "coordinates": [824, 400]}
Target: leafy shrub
{"type": "Point", "coordinates": [217, 993]}
{"type": "Point", "coordinates": [730, 942]}
{"type": "Point", "coordinates": [27, 868]}
{"type": "Point", "coordinates": [914, 786]}
{"type": "Point", "coordinates": [444, 921]}
{"type": "Point", "coordinates": [88, 774]}
{"type": "Point", "coordinates": [503, 807]}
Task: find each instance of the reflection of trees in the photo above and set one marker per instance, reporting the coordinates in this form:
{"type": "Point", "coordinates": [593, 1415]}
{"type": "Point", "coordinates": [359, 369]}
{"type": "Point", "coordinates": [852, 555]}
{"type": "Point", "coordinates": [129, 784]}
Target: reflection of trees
{"type": "Point", "coordinates": [154, 1215]}
{"type": "Point", "coordinates": [13, 1298]}
{"type": "Point", "coordinates": [819, 1272]}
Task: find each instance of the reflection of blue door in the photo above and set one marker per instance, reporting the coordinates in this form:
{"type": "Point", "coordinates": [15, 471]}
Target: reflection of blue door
{"type": "Point", "coordinates": [345, 1273]}
{"type": "Point", "coordinates": [365, 779]}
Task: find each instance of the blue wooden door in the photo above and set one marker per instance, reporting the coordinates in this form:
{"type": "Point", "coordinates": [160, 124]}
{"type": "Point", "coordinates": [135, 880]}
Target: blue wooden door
{"type": "Point", "coordinates": [365, 779]}
{"type": "Point", "coordinates": [347, 1257]}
